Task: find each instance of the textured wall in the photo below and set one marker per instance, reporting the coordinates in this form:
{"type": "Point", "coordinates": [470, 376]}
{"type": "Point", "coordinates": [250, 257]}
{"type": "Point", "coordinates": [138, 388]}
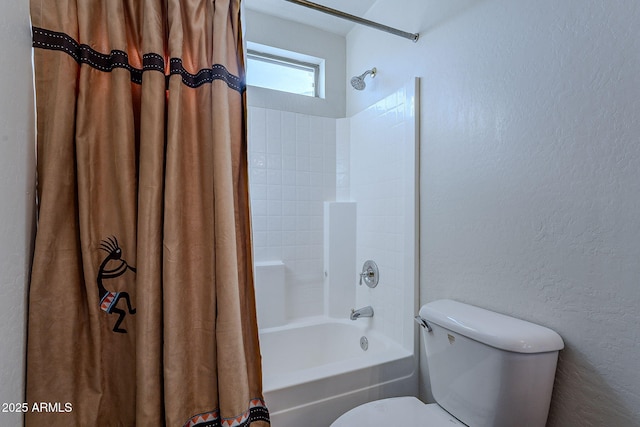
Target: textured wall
{"type": "Point", "coordinates": [530, 174]}
{"type": "Point", "coordinates": [17, 170]}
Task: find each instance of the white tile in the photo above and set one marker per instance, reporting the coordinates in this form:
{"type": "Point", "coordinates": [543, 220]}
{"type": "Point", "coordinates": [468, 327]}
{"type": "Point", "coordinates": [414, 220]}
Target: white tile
{"type": "Point", "coordinates": [288, 126]}
{"type": "Point", "coordinates": [316, 164]}
{"type": "Point", "coordinates": [302, 238]}
{"type": "Point", "coordinates": [288, 147]}
{"type": "Point", "coordinates": [316, 179]}
{"type": "Point", "coordinates": [260, 253]}
{"type": "Point", "coordinates": [289, 208]}
{"type": "Point", "coordinates": [274, 192]}
{"type": "Point", "coordinates": [274, 161]}
{"type": "Point", "coordinates": [274, 253]}
{"type": "Point", "coordinates": [259, 207]}
{"type": "Point", "coordinates": [273, 123]}
{"type": "Point", "coordinates": [288, 179]}
{"type": "Point", "coordinates": [304, 254]}
{"type": "Point", "coordinates": [258, 122]}
{"type": "Point", "coordinates": [302, 193]}
{"type": "Point", "coordinates": [258, 192]}
{"type": "Point", "coordinates": [302, 179]}
{"type": "Point", "coordinates": [316, 223]}
{"type": "Point", "coordinates": [303, 208]}
{"type": "Point", "coordinates": [274, 145]}
{"type": "Point", "coordinates": [289, 253]}
{"type": "Point", "coordinates": [260, 239]}
{"type": "Point", "coordinates": [259, 222]}
{"type": "Point", "coordinates": [330, 181]}
{"type": "Point", "coordinates": [257, 176]}
{"type": "Point", "coordinates": [257, 160]}
{"type": "Point", "coordinates": [316, 124]}
{"type": "Point", "coordinates": [274, 238]}
{"type": "Point", "coordinates": [302, 148]}
{"type": "Point", "coordinates": [315, 193]}
{"type": "Point", "coordinates": [274, 223]}
{"type": "Point", "coordinates": [274, 177]}
{"type": "Point", "coordinates": [317, 250]}
{"type": "Point", "coordinates": [330, 193]}
{"type": "Point", "coordinates": [316, 138]}
{"type": "Point", "coordinates": [288, 191]}
{"type": "Point", "coordinates": [303, 120]}
{"type": "Point", "coordinates": [258, 143]}
{"type": "Point", "coordinates": [274, 208]}
{"type": "Point", "coordinates": [316, 207]}
{"type": "Point", "coordinates": [303, 223]}
{"type": "Point", "coordinates": [289, 223]}
{"type": "Point", "coordinates": [289, 238]}
{"type": "Point", "coordinates": [315, 239]}
{"type": "Point", "coordinates": [302, 163]}
{"type": "Point", "coordinates": [289, 162]}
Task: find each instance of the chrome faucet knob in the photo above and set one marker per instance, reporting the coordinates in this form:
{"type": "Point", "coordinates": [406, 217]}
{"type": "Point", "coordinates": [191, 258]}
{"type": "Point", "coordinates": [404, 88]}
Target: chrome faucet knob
{"type": "Point", "coordinates": [367, 274]}
{"type": "Point", "coordinates": [370, 274]}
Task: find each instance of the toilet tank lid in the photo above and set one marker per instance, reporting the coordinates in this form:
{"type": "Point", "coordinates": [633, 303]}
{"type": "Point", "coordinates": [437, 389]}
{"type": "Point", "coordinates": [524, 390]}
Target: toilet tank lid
{"type": "Point", "coordinates": [493, 329]}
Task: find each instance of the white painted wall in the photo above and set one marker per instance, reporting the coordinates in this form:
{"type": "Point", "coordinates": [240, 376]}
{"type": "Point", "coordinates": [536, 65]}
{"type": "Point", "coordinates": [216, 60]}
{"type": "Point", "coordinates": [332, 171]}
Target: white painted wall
{"type": "Point", "coordinates": [17, 171]}
{"type": "Point", "coordinates": [530, 174]}
{"type": "Point", "coordinates": [284, 34]}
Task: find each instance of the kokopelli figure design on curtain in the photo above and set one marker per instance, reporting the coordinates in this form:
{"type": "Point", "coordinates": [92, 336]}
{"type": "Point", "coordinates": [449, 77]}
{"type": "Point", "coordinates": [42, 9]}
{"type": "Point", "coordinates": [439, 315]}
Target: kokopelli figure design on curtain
{"type": "Point", "coordinates": [113, 266]}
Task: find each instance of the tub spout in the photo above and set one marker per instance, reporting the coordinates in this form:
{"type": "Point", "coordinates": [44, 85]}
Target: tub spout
{"type": "Point", "coordinates": [362, 312]}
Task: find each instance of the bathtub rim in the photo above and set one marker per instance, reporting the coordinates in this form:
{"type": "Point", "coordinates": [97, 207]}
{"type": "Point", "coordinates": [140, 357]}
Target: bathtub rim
{"type": "Point", "coordinates": [395, 361]}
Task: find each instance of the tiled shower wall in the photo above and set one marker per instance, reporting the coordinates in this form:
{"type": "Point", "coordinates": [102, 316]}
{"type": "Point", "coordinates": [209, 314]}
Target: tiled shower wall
{"type": "Point", "coordinates": [383, 183]}
{"type": "Point", "coordinates": [298, 162]}
{"type": "Point", "coordinates": [292, 170]}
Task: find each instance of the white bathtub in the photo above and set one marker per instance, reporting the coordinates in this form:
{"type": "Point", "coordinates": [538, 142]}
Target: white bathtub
{"type": "Point", "coordinates": [314, 371]}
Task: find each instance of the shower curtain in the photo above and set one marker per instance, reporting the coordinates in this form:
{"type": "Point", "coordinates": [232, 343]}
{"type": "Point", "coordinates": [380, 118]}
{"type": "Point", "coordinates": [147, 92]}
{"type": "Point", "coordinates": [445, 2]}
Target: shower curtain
{"type": "Point", "coordinates": [141, 304]}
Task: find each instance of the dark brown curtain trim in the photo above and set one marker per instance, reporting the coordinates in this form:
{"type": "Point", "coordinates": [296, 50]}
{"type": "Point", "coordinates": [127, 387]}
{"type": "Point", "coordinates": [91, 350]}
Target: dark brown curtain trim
{"type": "Point", "coordinates": [83, 54]}
{"type": "Point", "coordinates": [216, 72]}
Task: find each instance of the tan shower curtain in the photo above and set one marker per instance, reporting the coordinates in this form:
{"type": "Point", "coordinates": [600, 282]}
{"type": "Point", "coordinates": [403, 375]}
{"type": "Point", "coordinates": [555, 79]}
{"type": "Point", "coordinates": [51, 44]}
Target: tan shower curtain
{"type": "Point", "coordinates": [141, 305]}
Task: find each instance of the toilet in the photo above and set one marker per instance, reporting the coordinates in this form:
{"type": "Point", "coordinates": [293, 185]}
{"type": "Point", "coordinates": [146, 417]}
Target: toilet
{"type": "Point", "coordinates": [485, 370]}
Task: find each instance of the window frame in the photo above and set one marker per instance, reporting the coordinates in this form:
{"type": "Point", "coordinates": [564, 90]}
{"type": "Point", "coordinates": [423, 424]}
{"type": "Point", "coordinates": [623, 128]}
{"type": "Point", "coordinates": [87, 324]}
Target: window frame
{"type": "Point", "coordinates": [285, 61]}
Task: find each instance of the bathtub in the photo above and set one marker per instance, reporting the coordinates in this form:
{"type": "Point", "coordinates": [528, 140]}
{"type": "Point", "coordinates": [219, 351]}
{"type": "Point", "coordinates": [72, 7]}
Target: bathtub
{"type": "Point", "coordinates": [315, 370]}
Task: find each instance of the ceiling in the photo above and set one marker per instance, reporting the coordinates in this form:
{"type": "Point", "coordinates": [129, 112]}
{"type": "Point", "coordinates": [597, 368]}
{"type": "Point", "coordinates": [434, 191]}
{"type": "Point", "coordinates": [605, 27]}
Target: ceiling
{"type": "Point", "coordinates": [293, 12]}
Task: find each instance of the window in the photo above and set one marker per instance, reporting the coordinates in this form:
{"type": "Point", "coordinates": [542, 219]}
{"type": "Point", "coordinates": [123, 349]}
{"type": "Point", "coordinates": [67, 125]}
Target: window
{"type": "Point", "coordinates": [284, 73]}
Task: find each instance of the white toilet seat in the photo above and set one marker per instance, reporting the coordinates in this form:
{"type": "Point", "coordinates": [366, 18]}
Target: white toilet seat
{"type": "Point", "coordinates": [397, 411]}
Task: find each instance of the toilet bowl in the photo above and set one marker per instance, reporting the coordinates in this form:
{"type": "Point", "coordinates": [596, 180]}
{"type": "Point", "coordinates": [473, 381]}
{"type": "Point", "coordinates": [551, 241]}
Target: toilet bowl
{"type": "Point", "coordinates": [397, 411]}
{"type": "Point", "coordinates": [485, 370]}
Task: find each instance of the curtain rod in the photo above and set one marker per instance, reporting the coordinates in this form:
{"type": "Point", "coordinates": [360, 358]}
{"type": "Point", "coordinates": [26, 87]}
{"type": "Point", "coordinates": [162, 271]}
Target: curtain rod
{"type": "Point", "coordinates": [411, 36]}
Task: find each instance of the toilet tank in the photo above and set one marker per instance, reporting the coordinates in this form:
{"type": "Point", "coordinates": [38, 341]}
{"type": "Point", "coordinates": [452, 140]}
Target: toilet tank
{"type": "Point", "coordinates": [488, 369]}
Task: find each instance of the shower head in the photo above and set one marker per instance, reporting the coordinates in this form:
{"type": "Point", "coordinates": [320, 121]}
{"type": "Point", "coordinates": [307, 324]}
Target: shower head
{"type": "Point", "coordinates": [358, 81]}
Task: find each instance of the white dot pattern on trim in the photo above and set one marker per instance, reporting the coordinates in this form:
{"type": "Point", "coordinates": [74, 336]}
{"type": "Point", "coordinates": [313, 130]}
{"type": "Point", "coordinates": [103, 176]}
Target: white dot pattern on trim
{"type": "Point", "coordinates": [84, 54]}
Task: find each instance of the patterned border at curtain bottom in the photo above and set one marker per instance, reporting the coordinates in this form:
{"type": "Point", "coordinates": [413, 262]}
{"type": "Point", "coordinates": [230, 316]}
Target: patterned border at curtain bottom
{"type": "Point", "coordinates": [257, 412]}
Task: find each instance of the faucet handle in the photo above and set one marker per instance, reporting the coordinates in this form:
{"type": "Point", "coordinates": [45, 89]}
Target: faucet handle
{"type": "Point", "coordinates": [370, 274]}
{"type": "Point", "coordinates": [367, 275]}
